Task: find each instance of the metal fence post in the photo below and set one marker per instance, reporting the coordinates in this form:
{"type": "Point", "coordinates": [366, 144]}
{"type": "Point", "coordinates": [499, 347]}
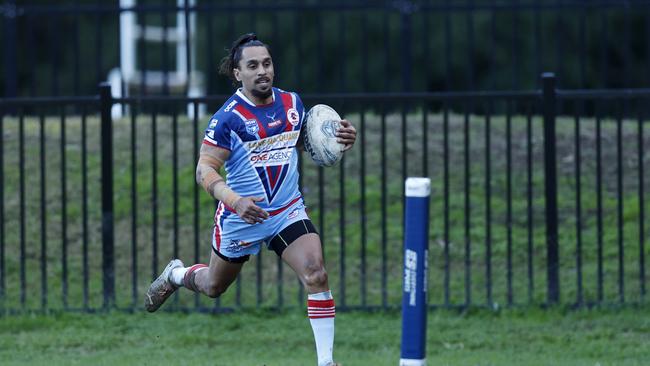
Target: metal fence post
{"type": "Point", "coordinates": [549, 99]}
{"type": "Point", "coordinates": [9, 12]}
{"type": "Point", "coordinates": [406, 9]}
{"type": "Point", "coordinates": [108, 259]}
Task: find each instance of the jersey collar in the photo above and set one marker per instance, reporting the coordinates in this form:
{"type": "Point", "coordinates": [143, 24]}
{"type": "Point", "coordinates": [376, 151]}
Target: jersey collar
{"type": "Point", "coordinates": [240, 93]}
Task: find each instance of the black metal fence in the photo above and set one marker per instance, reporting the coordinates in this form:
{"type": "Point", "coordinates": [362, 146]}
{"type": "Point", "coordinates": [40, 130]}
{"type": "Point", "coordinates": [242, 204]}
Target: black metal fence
{"type": "Point", "coordinates": [339, 46]}
{"type": "Point", "coordinates": [537, 197]}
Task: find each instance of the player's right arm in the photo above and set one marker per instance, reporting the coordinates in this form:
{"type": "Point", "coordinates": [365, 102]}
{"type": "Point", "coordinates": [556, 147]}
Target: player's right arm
{"type": "Point", "coordinates": [211, 159]}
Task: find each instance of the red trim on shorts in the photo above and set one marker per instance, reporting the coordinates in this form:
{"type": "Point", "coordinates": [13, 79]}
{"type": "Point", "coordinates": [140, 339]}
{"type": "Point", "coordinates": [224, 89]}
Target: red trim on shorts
{"type": "Point", "coordinates": [217, 226]}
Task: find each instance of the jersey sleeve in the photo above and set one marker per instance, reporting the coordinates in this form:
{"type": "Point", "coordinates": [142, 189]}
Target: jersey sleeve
{"type": "Point", "coordinates": [218, 132]}
{"type": "Point", "coordinates": [300, 107]}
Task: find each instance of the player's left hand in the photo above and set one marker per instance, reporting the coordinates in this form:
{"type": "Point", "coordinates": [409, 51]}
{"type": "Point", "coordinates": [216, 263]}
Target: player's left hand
{"type": "Point", "coordinates": [346, 134]}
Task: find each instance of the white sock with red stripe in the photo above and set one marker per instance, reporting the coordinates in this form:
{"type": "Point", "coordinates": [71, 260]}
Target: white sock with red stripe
{"type": "Point", "coordinates": [321, 311]}
{"type": "Point", "coordinates": [178, 274]}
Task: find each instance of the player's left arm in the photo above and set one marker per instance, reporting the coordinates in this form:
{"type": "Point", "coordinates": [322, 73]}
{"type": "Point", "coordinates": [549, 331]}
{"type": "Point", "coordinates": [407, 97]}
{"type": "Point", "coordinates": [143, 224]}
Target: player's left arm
{"type": "Point", "coordinates": [300, 144]}
{"type": "Point", "coordinates": [346, 134]}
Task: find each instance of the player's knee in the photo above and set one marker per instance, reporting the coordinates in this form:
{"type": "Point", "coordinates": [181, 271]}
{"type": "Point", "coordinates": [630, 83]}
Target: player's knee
{"type": "Point", "coordinates": [316, 276]}
{"type": "Point", "coordinates": [215, 289]}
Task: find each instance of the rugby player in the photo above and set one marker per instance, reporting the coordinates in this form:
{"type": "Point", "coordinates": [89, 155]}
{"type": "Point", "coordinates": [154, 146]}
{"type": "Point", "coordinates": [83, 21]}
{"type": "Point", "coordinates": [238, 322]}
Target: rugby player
{"type": "Point", "coordinates": [255, 135]}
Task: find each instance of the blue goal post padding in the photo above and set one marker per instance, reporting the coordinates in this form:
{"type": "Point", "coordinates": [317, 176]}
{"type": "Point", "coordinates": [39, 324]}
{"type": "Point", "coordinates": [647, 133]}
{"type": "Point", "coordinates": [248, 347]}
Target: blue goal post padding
{"type": "Point", "coordinates": [414, 293]}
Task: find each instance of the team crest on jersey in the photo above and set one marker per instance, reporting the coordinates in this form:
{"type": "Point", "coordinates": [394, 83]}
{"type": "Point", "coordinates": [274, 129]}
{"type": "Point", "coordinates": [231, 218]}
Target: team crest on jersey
{"type": "Point", "coordinates": [292, 116]}
{"type": "Point", "coordinates": [251, 126]}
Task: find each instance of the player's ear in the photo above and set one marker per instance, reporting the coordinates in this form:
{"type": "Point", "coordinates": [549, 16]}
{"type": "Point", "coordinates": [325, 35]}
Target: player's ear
{"type": "Point", "coordinates": [235, 73]}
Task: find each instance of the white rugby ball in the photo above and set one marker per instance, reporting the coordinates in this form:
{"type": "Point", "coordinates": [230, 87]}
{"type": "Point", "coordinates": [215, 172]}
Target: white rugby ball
{"type": "Point", "coordinates": [320, 127]}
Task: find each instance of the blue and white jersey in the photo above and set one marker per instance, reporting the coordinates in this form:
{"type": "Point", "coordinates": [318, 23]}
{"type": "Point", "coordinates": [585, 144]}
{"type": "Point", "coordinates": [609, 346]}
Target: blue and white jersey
{"type": "Point", "coordinates": [262, 142]}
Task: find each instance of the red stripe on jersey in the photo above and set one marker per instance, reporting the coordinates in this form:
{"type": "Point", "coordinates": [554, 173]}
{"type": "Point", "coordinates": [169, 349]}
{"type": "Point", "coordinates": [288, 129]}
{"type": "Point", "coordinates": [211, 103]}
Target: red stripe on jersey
{"type": "Point", "coordinates": [275, 212]}
{"type": "Point", "coordinates": [287, 102]}
{"type": "Point", "coordinates": [215, 145]}
{"type": "Point", "coordinates": [250, 116]}
{"type": "Point", "coordinates": [273, 179]}
{"type": "Point", "coordinates": [210, 143]}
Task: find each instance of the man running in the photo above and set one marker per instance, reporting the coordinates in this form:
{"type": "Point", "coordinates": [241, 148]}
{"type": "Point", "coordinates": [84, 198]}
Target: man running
{"type": "Point", "coordinates": [255, 135]}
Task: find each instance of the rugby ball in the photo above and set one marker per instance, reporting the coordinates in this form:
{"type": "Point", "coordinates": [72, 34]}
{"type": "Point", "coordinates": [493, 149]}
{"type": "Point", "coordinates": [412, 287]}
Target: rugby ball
{"type": "Point", "coordinates": [320, 127]}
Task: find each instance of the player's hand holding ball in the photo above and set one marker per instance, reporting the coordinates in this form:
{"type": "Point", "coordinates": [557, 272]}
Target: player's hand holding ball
{"type": "Point", "coordinates": [346, 134]}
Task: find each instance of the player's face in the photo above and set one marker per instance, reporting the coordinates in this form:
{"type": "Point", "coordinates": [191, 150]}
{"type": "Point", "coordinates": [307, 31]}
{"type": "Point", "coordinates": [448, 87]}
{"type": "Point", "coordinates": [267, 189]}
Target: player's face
{"type": "Point", "coordinates": [255, 71]}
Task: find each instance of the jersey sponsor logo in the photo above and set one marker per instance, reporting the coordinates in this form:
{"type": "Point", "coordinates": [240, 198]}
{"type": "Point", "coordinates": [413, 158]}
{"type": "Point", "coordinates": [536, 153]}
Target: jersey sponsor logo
{"type": "Point", "coordinates": [230, 106]}
{"type": "Point", "coordinates": [271, 158]}
{"type": "Point", "coordinates": [293, 117]}
{"type": "Point", "coordinates": [213, 123]}
{"type": "Point", "coordinates": [283, 140]}
{"type": "Point", "coordinates": [251, 126]}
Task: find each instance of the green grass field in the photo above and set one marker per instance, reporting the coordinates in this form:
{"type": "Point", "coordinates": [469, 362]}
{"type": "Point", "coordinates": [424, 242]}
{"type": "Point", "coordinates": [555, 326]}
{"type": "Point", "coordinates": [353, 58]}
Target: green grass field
{"type": "Point", "coordinates": [619, 337]}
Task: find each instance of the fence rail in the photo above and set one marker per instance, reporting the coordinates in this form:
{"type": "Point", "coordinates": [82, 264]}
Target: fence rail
{"type": "Point", "coordinates": [534, 200]}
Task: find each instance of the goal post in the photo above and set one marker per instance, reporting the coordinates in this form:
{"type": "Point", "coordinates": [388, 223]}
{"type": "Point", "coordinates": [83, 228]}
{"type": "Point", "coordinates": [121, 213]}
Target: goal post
{"type": "Point", "coordinates": [414, 295]}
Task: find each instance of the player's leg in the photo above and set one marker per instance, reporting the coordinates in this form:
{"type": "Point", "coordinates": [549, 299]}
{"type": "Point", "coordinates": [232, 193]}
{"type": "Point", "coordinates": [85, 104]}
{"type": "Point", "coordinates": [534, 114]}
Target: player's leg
{"type": "Point", "coordinates": [212, 280]}
{"type": "Point", "coordinates": [229, 252]}
{"type": "Point", "coordinates": [304, 255]}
